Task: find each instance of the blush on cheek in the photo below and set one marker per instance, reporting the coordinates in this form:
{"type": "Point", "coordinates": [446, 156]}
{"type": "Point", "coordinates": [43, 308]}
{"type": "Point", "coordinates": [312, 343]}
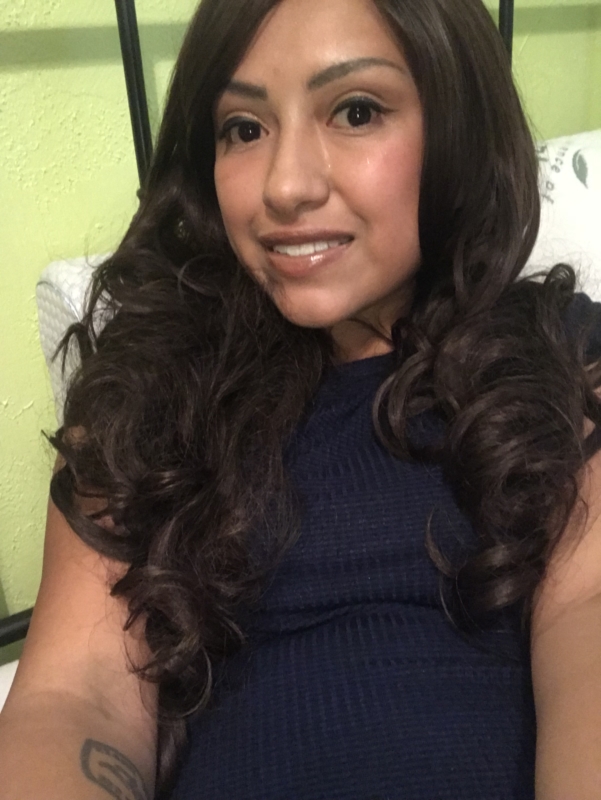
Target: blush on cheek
{"type": "Point", "coordinates": [391, 177]}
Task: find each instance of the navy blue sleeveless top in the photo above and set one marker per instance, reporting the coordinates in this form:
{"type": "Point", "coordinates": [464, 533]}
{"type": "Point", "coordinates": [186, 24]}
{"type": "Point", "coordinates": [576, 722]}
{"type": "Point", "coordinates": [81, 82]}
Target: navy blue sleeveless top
{"type": "Point", "coordinates": [354, 685]}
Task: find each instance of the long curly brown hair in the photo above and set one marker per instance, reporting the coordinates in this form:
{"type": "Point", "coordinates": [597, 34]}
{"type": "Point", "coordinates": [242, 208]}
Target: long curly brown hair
{"type": "Point", "coordinates": [191, 380]}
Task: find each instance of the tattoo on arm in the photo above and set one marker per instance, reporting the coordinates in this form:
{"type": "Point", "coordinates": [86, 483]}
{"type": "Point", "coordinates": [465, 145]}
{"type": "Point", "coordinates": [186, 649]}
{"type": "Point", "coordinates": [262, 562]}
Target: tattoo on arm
{"type": "Point", "coordinates": [112, 771]}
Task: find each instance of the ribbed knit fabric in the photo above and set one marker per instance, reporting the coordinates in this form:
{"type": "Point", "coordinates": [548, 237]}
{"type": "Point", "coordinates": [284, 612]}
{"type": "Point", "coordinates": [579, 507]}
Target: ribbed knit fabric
{"type": "Point", "coordinates": [355, 685]}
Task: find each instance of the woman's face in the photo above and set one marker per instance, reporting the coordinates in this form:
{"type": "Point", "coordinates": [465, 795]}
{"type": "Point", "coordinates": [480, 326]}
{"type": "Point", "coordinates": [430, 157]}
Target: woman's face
{"type": "Point", "coordinates": [318, 163]}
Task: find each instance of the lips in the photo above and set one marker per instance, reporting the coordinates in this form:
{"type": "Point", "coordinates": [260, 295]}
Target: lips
{"type": "Point", "coordinates": [308, 249]}
{"type": "Point", "coordinates": [288, 242]}
{"type": "Point", "coordinates": [304, 255]}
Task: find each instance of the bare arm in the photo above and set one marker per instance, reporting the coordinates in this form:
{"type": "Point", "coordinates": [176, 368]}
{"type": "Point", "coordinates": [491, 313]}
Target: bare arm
{"type": "Point", "coordinates": [566, 659]}
{"type": "Point", "coordinates": [77, 723]}
{"type": "Point", "coordinates": [60, 747]}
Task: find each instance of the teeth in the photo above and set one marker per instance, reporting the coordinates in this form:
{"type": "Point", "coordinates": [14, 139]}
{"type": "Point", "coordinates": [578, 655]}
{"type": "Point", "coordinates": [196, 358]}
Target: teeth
{"type": "Point", "coordinates": [307, 249]}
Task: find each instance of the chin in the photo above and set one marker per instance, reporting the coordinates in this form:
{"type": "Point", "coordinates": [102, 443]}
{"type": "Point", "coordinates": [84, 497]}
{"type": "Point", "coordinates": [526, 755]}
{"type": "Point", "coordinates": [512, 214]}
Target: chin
{"type": "Point", "coordinates": [311, 316]}
{"type": "Point", "coordinates": [309, 320]}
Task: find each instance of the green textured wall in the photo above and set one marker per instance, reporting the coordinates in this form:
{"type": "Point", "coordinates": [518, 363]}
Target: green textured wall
{"type": "Point", "coordinates": [67, 188]}
{"type": "Point", "coordinates": [68, 181]}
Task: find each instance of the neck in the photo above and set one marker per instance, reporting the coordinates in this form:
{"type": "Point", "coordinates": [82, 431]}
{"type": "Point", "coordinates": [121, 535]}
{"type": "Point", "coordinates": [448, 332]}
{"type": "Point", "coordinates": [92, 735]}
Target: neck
{"type": "Point", "coordinates": [357, 340]}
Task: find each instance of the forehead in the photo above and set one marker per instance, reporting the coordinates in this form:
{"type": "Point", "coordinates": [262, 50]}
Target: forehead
{"type": "Point", "coordinates": [301, 36]}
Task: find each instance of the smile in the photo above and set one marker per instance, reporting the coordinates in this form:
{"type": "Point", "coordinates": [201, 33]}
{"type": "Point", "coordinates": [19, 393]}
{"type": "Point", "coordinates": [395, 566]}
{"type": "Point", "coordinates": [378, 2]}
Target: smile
{"type": "Point", "coordinates": [303, 259]}
{"type": "Point", "coordinates": [308, 248]}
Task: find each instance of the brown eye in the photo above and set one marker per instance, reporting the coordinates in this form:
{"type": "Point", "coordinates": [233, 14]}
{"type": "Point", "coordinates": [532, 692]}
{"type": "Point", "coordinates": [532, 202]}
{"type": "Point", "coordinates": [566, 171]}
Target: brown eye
{"type": "Point", "coordinates": [357, 112]}
{"type": "Point", "coordinates": [249, 131]}
{"type": "Point", "coordinates": [241, 131]}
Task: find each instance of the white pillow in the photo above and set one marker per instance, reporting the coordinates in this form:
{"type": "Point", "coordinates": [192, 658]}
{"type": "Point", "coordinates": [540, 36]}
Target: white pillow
{"type": "Point", "coordinates": [61, 294]}
{"type": "Point", "coordinates": [570, 182]}
{"type": "Point", "coordinates": [7, 674]}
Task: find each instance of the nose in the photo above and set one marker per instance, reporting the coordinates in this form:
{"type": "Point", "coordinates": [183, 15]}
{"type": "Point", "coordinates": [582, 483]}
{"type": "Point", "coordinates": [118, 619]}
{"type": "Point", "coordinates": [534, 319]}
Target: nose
{"type": "Point", "coordinates": [298, 176]}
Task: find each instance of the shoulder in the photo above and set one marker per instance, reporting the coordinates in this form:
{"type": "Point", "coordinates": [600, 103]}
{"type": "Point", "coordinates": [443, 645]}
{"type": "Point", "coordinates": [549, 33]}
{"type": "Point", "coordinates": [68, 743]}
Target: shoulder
{"type": "Point", "coordinates": [573, 574]}
{"type": "Point", "coordinates": [566, 615]}
{"type": "Point", "coordinates": [566, 653]}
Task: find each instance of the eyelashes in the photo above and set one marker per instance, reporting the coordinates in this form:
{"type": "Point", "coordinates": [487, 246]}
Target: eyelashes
{"type": "Point", "coordinates": [359, 111]}
{"type": "Point", "coordinates": [242, 128]}
{"type": "Point", "coordinates": [353, 113]}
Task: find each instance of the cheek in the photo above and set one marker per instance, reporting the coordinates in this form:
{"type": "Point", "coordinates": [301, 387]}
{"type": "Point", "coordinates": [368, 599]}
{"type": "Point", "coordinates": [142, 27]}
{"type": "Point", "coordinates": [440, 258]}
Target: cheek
{"type": "Point", "coordinates": [236, 203]}
{"type": "Point", "coordinates": [228, 198]}
{"type": "Point", "coordinates": [390, 182]}
{"type": "Point", "coordinates": [387, 198]}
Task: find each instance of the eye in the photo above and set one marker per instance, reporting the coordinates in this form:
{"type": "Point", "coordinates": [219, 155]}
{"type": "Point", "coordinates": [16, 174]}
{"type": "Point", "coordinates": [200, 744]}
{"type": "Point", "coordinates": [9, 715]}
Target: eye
{"type": "Point", "coordinates": [240, 131]}
{"type": "Point", "coordinates": [357, 112]}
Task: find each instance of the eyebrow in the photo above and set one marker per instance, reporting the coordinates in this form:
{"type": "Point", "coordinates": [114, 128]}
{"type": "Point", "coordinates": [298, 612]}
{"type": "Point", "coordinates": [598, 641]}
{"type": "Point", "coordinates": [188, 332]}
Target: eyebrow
{"type": "Point", "coordinates": [337, 71]}
{"type": "Point", "coordinates": [321, 78]}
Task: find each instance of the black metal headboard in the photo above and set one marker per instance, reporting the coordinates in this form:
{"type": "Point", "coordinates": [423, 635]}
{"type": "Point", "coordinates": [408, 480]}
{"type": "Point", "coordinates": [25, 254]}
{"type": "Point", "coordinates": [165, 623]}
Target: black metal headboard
{"type": "Point", "coordinates": [506, 23]}
{"type": "Point", "coordinates": [14, 628]}
{"type": "Point", "coordinates": [134, 79]}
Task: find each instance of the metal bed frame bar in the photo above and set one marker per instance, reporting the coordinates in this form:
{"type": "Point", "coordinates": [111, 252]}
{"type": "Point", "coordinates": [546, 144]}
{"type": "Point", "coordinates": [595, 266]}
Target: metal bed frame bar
{"type": "Point", "coordinates": [134, 79]}
{"type": "Point", "coordinates": [506, 13]}
{"type": "Point", "coordinates": [14, 628]}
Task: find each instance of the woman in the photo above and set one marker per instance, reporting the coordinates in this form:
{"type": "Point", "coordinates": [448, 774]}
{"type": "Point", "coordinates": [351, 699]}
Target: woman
{"type": "Point", "coordinates": [330, 450]}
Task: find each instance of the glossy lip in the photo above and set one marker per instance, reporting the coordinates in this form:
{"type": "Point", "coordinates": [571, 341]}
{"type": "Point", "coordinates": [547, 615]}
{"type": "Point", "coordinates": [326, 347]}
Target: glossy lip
{"type": "Point", "coordinates": [284, 237]}
{"type": "Point", "coordinates": [302, 266]}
